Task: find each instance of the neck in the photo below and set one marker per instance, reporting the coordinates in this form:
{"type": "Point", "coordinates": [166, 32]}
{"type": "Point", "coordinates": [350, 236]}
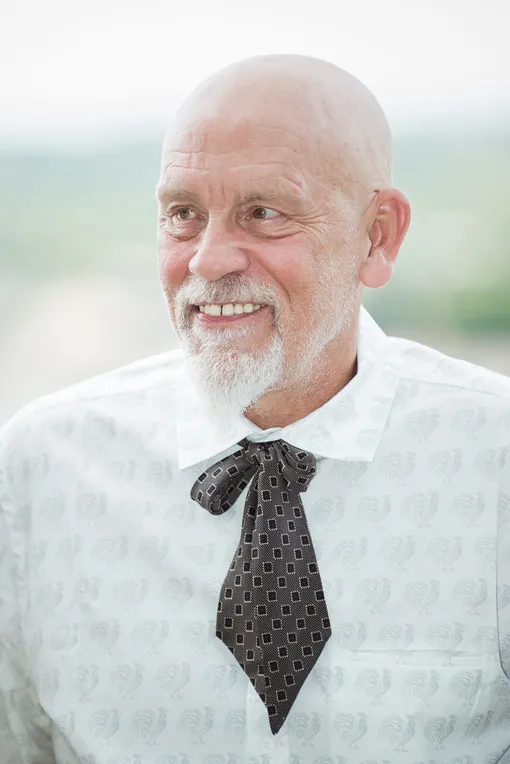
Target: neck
{"type": "Point", "coordinates": [335, 368]}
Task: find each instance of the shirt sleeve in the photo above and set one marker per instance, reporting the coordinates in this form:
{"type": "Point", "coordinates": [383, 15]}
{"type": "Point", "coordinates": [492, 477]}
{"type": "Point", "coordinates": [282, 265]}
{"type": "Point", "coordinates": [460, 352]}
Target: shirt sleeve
{"type": "Point", "coordinates": [25, 731]}
{"type": "Point", "coordinates": [503, 559]}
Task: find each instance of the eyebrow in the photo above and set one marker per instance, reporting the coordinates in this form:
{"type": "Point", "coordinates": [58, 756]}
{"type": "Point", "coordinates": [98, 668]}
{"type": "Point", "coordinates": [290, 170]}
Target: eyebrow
{"type": "Point", "coordinates": [168, 194]}
{"type": "Point", "coordinates": [257, 196]}
{"type": "Point", "coordinates": [172, 193]}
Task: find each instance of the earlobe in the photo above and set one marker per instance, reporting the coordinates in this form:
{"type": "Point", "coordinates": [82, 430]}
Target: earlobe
{"type": "Point", "coordinates": [377, 270]}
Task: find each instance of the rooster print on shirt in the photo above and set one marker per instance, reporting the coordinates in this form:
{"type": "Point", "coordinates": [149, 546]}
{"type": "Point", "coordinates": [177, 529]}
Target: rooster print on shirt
{"type": "Point", "coordinates": [122, 574]}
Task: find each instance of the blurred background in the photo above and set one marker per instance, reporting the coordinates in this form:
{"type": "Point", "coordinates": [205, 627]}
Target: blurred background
{"type": "Point", "coordinates": [86, 91]}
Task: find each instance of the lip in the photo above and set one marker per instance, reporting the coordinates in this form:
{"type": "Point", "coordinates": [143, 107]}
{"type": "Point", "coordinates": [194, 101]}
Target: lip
{"type": "Point", "coordinates": [205, 318]}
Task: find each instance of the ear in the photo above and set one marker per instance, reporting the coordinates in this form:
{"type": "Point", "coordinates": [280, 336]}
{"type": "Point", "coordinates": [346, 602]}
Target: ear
{"type": "Point", "coordinates": [386, 233]}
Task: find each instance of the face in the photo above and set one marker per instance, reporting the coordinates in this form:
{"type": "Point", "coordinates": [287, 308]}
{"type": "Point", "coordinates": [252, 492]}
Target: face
{"type": "Point", "coordinates": [258, 256]}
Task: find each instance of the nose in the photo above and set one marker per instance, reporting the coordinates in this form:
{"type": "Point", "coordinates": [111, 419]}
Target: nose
{"type": "Point", "coordinates": [218, 254]}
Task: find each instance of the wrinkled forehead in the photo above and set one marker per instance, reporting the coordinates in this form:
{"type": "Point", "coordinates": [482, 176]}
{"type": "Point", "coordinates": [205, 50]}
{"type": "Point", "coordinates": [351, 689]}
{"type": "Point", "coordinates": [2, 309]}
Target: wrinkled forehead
{"type": "Point", "coordinates": [222, 140]}
{"type": "Point", "coordinates": [251, 149]}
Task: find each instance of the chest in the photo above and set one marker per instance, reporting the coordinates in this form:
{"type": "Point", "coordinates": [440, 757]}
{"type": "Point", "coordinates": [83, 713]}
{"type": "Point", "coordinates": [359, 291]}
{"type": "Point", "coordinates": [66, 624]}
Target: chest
{"type": "Point", "coordinates": [125, 576]}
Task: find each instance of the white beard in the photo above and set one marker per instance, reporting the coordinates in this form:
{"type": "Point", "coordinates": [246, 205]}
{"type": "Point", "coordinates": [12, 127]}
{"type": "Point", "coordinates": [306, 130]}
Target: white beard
{"type": "Point", "coordinates": [335, 325]}
{"type": "Point", "coordinates": [230, 381]}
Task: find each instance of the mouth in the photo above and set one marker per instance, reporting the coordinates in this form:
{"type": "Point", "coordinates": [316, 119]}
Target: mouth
{"type": "Point", "coordinates": [228, 312]}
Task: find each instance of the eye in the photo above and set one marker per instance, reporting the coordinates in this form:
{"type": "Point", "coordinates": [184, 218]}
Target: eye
{"type": "Point", "coordinates": [264, 213]}
{"type": "Point", "coordinates": [183, 214]}
{"type": "Point", "coordinates": [181, 222]}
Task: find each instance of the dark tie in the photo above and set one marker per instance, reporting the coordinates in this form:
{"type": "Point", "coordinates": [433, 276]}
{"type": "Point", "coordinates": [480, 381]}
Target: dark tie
{"type": "Point", "coordinates": [272, 614]}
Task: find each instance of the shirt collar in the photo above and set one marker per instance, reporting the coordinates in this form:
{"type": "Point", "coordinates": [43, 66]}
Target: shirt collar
{"type": "Point", "coordinates": [348, 427]}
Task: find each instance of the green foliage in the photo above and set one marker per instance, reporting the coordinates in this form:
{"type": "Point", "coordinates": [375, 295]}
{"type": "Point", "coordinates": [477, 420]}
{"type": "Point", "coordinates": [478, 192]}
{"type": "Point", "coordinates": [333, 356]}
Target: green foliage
{"type": "Point", "coordinates": [68, 213]}
{"type": "Point", "coordinates": [484, 310]}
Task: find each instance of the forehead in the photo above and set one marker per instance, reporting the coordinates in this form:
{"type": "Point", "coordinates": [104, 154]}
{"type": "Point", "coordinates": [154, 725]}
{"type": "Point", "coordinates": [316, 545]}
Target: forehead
{"type": "Point", "coordinates": [217, 136]}
{"type": "Point", "coordinates": [236, 153]}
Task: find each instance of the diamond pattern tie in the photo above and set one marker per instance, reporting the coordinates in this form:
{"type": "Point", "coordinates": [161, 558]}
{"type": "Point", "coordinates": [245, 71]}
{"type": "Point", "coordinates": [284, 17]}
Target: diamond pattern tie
{"type": "Point", "coordinates": [272, 614]}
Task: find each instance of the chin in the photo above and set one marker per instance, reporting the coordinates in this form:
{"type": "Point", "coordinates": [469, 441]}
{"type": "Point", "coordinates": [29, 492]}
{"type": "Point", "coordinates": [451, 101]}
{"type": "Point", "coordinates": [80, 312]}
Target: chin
{"type": "Point", "coordinates": [229, 344]}
{"type": "Point", "coordinates": [231, 378]}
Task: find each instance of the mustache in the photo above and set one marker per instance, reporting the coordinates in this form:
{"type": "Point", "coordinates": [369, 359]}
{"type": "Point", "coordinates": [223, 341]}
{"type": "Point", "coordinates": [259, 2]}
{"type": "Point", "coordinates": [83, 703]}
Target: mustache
{"type": "Point", "coordinates": [229, 289]}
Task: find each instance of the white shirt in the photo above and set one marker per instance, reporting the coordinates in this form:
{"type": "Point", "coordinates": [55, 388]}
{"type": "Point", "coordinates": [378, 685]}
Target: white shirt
{"type": "Point", "coordinates": [110, 573]}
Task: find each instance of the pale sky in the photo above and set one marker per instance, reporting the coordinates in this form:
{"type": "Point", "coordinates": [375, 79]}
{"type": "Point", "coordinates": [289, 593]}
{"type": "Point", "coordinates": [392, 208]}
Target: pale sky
{"type": "Point", "coordinates": [75, 72]}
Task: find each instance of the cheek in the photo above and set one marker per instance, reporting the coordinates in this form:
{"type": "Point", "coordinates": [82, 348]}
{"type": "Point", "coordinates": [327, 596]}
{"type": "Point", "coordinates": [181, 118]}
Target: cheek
{"type": "Point", "coordinates": [173, 262]}
{"type": "Point", "coordinates": [290, 263]}
{"type": "Point", "coordinates": [309, 275]}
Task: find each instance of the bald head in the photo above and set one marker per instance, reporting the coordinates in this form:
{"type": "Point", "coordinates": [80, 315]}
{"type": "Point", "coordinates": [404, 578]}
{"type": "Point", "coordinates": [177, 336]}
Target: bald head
{"type": "Point", "coordinates": [339, 122]}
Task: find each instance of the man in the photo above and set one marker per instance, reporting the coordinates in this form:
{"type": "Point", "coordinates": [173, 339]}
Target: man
{"type": "Point", "coordinates": [290, 543]}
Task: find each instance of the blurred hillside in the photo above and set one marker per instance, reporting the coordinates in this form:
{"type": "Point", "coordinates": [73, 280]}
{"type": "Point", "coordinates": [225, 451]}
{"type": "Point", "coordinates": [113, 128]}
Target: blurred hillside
{"type": "Point", "coordinates": [78, 280]}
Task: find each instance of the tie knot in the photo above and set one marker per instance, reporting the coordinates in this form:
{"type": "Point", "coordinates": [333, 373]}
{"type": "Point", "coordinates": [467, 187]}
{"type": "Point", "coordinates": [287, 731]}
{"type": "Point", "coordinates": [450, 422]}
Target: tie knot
{"type": "Point", "coordinates": [294, 464]}
{"type": "Point", "coordinates": [218, 487]}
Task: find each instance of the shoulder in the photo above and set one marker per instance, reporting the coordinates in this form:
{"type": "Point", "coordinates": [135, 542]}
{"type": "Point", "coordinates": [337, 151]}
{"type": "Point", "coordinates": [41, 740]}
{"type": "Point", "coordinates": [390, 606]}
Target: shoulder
{"type": "Point", "coordinates": [422, 364]}
{"type": "Point", "coordinates": [112, 396]}
{"type": "Point", "coordinates": [435, 387]}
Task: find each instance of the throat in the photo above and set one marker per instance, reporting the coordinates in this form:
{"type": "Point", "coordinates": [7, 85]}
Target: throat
{"type": "Point", "coordinates": [282, 407]}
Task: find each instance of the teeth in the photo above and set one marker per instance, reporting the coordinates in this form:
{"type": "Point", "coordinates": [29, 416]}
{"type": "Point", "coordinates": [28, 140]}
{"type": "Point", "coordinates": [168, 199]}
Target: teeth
{"type": "Point", "coordinates": [229, 309]}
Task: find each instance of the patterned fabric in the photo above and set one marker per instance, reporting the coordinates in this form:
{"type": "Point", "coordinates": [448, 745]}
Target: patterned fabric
{"type": "Point", "coordinates": [110, 573]}
{"type": "Point", "coordinates": [272, 613]}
